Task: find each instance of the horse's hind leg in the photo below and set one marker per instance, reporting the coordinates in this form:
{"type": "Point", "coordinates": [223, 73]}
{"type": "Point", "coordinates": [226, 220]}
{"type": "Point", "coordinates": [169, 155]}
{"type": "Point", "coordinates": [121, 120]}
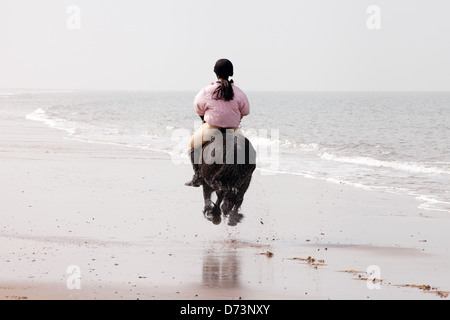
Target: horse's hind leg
{"type": "Point", "coordinates": [235, 217]}
{"type": "Point", "coordinates": [228, 203]}
{"type": "Point", "coordinates": [207, 193]}
{"type": "Point", "coordinates": [210, 211]}
{"type": "Point", "coordinates": [219, 200]}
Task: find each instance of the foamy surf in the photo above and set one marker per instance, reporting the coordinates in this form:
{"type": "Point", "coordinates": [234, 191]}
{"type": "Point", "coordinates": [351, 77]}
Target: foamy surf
{"type": "Point", "coordinates": [56, 123]}
{"type": "Point", "coordinates": [398, 165]}
{"type": "Point", "coordinates": [317, 142]}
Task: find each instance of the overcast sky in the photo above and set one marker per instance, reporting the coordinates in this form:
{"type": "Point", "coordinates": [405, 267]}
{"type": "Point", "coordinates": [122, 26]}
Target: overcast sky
{"type": "Point", "coordinates": [298, 45]}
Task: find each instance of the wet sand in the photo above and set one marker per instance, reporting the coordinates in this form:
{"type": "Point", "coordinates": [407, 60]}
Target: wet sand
{"type": "Point", "coordinates": [124, 218]}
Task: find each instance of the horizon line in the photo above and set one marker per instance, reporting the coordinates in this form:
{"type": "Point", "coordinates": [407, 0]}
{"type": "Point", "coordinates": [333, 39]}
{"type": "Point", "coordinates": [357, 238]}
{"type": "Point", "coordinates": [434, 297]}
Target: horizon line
{"type": "Point", "coordinates": [248, 90]}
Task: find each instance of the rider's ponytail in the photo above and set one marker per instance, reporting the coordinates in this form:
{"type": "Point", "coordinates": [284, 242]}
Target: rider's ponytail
{"type": "Point", "coordinates": [224, 91]}
{"type": "Point", "coordinates": [224, 70]}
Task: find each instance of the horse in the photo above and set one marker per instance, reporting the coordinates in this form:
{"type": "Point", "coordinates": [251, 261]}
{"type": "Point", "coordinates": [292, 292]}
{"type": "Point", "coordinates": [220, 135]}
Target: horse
{"type": "Point", "coordinates": [228, 162]}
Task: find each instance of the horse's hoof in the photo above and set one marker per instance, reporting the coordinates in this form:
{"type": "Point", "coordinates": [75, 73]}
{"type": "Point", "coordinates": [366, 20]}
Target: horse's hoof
{"type": "Point", "coordinates": [234, 219]}
{"type": "Point", "coordinates": [214, 218]}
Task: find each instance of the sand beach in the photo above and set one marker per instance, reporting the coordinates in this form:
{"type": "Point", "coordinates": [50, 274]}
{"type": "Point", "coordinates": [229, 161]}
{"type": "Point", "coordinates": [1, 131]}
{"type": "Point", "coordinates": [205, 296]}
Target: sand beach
{"type": "Point", "coordinates": [96, 221]}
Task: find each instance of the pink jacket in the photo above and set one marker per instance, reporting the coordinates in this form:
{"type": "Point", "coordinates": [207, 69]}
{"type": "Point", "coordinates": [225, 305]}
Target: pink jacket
{"type": "Point", "coordinates": [221, 113]}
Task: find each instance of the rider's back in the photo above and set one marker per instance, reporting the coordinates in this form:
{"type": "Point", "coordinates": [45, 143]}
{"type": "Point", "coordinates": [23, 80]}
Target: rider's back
{"type": "Point", "coordinates": [221, 113]}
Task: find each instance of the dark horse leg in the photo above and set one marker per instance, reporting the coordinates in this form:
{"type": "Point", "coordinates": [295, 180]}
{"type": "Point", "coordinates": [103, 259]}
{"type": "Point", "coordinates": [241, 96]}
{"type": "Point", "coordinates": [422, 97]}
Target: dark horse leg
{"type": "Point", "coordinates": [234, 216]}
{"type": "Point", "coordinates": [211, 213]}
{"type": "Point", "coordinates": [218, 202]}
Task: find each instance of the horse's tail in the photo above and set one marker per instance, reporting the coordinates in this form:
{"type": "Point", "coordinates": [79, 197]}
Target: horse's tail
{"type": "Point", "coordinates": [232, 176]}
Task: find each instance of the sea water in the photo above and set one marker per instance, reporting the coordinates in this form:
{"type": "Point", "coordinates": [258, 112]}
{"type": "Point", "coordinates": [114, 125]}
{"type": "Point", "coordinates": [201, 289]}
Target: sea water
{"type": "Point", "coordinates": [390, 141]}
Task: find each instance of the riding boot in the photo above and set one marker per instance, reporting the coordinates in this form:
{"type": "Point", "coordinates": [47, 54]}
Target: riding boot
{"type": "Point", "coordinates": [197, 180]}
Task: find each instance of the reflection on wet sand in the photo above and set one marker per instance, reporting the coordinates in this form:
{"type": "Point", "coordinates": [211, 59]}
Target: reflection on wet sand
{"type": "Point", "coordinates": [221, 269]}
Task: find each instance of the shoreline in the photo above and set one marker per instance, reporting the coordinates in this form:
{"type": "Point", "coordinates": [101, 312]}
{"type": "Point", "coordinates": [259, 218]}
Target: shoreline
{"type": "Point", "coordinates": [126, 219]}
{"type": "Point", "coordinates": [424, 200]}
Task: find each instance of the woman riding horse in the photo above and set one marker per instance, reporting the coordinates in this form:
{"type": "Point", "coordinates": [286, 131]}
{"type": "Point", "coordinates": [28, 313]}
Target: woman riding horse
{"type": "Point", "coordinates": [220, 105]}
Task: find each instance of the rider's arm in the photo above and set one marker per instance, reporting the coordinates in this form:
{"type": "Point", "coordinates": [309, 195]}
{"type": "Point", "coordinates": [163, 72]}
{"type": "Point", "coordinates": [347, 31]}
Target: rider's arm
{"type": "Point", "coordinates": [244, 106]}
{"type": "Point", "coordinates": [200, 103]}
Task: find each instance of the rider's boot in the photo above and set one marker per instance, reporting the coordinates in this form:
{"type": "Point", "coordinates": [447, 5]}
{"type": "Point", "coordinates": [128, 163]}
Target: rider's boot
{"type": "Point", "coordinates": [197, 180]}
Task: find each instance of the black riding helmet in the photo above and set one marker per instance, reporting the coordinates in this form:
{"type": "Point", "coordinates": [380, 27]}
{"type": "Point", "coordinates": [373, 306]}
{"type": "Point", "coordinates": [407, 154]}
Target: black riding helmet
{"type": "Point", "coordinates": [224, 68]}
